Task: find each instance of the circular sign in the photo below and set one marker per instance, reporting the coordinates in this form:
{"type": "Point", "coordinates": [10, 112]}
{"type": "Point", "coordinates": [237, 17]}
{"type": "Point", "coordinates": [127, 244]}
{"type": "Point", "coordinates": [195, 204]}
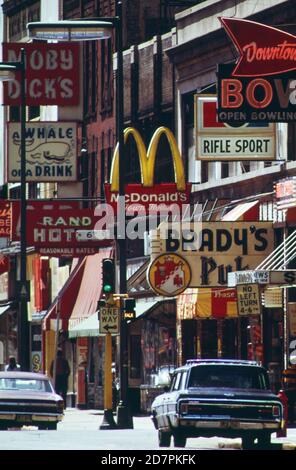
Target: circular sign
{"type": "Point", "coordinates": [169, 274]}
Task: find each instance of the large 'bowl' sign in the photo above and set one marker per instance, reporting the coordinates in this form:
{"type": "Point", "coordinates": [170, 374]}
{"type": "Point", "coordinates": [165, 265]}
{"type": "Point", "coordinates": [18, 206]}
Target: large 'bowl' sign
{"type": "Point", "coordinates": [261, 87]}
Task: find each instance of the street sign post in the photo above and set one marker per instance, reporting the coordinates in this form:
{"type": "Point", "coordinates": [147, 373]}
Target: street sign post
{"type": "Point", "coordinates": [248, 299]}
{"type": "Point", "coordinates": [109, 320]}
{"type": "Point", "coordinates": [277, 278]}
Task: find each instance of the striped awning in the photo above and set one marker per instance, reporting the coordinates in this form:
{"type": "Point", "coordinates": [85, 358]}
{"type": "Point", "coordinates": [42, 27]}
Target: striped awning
{"type": "Point", "coordinates": [205, 303]}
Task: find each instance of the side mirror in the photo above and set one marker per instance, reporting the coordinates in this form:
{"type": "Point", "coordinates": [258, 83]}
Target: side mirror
{"type": "Point", "coordinates": [166, 389]}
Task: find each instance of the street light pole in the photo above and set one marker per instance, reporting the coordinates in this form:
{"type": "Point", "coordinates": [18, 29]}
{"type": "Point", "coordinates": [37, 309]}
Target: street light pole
{"type": "Point", "coordinates": [7, 72]}
{"type": "Point", "coordinates": [23, 324]}
{"type": "Point", "coordinates": [124, 417]}
{"type": "Point", "coordinates": [97, 29]}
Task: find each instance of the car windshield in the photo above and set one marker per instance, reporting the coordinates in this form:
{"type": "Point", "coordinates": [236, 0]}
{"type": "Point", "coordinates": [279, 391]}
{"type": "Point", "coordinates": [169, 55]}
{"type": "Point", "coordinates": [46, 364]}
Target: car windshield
{"type": "Point", "coordinates": [25, 384]}
{"type": "Point", "coordinates": [228, 377]}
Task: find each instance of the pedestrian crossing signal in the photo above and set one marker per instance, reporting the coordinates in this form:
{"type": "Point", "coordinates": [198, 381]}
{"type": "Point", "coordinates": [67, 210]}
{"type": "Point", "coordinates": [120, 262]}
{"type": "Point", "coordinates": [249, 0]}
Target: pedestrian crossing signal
{"type": "Point", "coordinates": [129, 309]}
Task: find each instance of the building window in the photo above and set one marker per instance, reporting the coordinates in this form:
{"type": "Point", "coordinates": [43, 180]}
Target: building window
{"type": "Point", "coordinates": [224, 170]}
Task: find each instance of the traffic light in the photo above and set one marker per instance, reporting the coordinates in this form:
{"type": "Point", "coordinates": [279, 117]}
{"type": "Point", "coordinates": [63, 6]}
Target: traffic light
{"type": "Point", "coordinates": [108, 276]}
{"type": "Point", "coordinates": [129, 309]}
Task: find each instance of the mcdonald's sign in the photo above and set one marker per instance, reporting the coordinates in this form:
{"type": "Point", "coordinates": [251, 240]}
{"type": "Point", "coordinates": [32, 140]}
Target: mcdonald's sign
{"type": "Point", "coordinates": [147, 194]}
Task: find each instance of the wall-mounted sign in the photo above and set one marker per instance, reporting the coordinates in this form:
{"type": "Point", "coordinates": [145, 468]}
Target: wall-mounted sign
{"type": "Point", "coordinates": [51, 74]}
{"type": "Point", "coordinates": [215, 248]}
{"type": "Point", "coordinates": [5, 218]}
{"type": "Point", "coordinates": [245, 99]}
{"type": "Point", "coordinates": [148, 194]}
{"type": "Point", "coordinates": [169, 274]}
{"type": "Point", "coordinates": [248, 299]}
{"type": "Point", "coordinates": [273, 298]}
{"type": "Point", "coordinates": [261, 86]}
{"type": "Point", "coordinates": [51, 151]}
{"type": "Point", "coordinates": [292, 318]}
{"type": "Point", "coordinates": [285, 193]}
{"type": "Point", "coordinates": [60, 232]}
{"type": "Point", "coordinates": [220, 141]}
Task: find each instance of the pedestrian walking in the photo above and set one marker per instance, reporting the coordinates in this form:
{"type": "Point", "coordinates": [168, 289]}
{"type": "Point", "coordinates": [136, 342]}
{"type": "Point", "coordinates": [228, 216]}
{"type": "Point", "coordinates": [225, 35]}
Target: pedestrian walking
{"type": "Point", "coordinates": [12, 364]}
{"type": "Point", "coordinates": [62, 372]}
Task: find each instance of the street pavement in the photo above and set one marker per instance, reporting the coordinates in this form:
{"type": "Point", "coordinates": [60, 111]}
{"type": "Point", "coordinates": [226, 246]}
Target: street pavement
{"type": "Point", "coordinates": [80, 431]}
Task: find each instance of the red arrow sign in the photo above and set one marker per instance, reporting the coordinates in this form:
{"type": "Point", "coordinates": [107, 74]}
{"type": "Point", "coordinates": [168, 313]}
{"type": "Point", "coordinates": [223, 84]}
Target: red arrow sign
{"type": "Point", "coordinates": [264, 50]}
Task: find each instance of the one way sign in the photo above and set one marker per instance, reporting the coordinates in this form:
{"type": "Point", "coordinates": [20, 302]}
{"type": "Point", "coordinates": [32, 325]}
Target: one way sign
{"type": "Point", "coordinates": [109, 320]}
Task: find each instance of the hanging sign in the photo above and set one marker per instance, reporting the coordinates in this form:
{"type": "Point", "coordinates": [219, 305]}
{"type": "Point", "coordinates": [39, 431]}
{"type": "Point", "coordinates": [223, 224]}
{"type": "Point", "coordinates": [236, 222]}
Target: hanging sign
{"type": "Point", "coordinates": [248, 299]}
{"type": "Point", "coordinates": [169, 274]}
{"type": "Point", "coordinates": [64, 231]}
{"type": "Point", "coordinates": [51, 151]}
{"type": "Point", "coordinates": [149, 195]}
{"type": "Point", "coordinates": [261, 86]}
{"type": "Point", "coordinates": [52, 76]}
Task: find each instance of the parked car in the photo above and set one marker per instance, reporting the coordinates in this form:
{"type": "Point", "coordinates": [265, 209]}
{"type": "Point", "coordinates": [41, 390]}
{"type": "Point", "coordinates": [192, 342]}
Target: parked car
{"type": "Point", "coordinates": [227, 398]}
{"type": "Point", "coordinates": [28, 399]}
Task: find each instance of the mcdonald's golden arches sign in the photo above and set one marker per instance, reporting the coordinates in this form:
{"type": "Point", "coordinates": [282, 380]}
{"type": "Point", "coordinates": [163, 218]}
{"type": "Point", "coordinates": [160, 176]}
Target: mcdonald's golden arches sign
{"type": "Point", "coordinates": [147, 193]}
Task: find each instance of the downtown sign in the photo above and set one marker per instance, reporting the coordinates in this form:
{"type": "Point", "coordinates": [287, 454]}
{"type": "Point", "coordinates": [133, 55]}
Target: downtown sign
{"type": "Point", "coordinates": [52, 76]}
{"type": "Point", "coordinates": [148, 195]}
{"type": "Point", "coordinates": [261, 87]}
{"type": "Point", "coordinates": [51, 151]}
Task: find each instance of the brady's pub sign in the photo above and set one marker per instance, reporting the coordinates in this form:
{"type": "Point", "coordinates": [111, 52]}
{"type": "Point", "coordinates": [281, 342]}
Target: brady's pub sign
{"type": "Point", "coordinates": [261, 87]}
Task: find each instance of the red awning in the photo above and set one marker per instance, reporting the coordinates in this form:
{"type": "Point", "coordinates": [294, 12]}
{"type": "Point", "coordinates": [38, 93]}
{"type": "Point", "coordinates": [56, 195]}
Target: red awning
{"type": "Point", "coordinates": [90, 288]}
{"type": "Point", "coordinates": [67, 297]}
{"type": "Point", "coordinates": [246, 211]}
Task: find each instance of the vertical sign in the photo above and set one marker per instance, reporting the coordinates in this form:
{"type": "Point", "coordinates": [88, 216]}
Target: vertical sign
{"type": "Point", "coordinates": [248, 299]}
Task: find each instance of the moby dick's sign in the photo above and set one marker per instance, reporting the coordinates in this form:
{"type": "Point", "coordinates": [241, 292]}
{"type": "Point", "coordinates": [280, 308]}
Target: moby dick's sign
{"type": "Point", "coordinates": [261, 86]}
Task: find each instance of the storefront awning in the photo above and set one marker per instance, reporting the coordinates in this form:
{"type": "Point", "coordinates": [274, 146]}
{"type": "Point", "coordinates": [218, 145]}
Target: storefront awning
{"type": "Point", "coordinates": [89, 292]}
{"type": "Point", "coordinates": [246, 211]}
{"type": "Point", "coordinates": [65, 300]}
{"type": "Point", "coordinates": [87, 328]}
{"type": "Point", "coordinates": [206, 303]}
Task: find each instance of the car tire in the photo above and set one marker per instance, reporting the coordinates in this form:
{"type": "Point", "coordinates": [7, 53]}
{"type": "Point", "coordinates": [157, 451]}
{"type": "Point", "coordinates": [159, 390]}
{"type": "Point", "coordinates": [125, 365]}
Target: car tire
{"type": "Point", "coordinates": [248, 442]}
{"type": "Point", "coordinates": [179, 440]}
{"type": "Point", "coordinates": [164, 439]}
{"type": "Point", "coordinates": [264, 441]}
{"type": "Point", "coordinates": [52, 426]}
{"type": "Point", "coordinates": [42, 427]}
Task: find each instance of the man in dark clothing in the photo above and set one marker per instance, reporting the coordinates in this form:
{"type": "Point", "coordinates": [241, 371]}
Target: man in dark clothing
{"type": "Point", "coordinates": [62, 372]}
{"type": "Point", "coordinates": [12, 364]}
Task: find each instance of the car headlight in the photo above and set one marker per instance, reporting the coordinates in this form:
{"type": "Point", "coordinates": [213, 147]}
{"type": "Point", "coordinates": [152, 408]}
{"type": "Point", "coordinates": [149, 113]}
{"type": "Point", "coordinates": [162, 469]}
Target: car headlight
{"type": "Point", "coordinates": [60, 406]}
{"type": "Point", "coordinates": [276, 411]}
{"type": "Point", "coordinates": [184, 408]}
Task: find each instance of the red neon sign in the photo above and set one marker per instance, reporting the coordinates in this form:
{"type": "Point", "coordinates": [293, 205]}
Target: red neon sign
{"type": "Point", "coordinates": [264, 50]}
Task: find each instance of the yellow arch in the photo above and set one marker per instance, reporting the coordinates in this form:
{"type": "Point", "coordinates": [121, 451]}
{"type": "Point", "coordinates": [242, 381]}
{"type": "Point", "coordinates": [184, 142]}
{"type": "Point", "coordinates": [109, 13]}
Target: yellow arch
{"type": "Point", "coordinates": [147, 158]}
